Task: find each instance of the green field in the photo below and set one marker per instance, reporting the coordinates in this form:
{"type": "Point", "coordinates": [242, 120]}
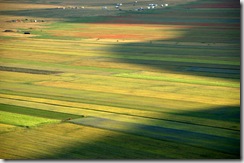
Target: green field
{"type": "Point", "coordinates": [89, 83]}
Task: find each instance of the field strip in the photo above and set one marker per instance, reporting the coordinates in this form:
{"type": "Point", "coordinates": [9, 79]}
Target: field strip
{"type": "Point", "coordinates": [75, 135]}
{"type": "Point", "coordinates": [53, 44]}
{"type": "Point", "coordinates": [199, 81]}
{"type": "Point", "coordinates": [84, 105]}
{"type": "Point", "coordinates": [165, 121]}
{"type": "Point", "coordinates": [87, 82]}
{"type": "Point", "coordinates": [61, 66]}
{"type": "Point", "coordinates": [178, 59]}
{"type": "Point", "coordinates": [6, 128]}
{"type": "Point", "coordinates": [95, 110]}
{"type": "Point", "coordinates": [46, 51]}
{"type": "Point", "coordinates": [37, 112]}
{"type": "Point", "coordinates": [161, 82]}
{"type": "Point", "coordinates": [143, 93]}
{"type": "Point", "coordinates": [86, 51]}
{"type": "Point", "coordinates": [19, 6]}
{"type": "Point", "coordinates": [104, 48]}
{"type": "Point", "coordinates": [30, 71]}
{"type": "Point", "coordinates": [70, 135]}
{"type": "Point", "coordinates": [93, 50]}
{"type": "Point", "coordinates": [108, 99]}
{"type": "Point", "coordinates": [162, 133]}
{"type": "Point", "coordinates": [166, 57]}
{"type": "Point", "coordinates": [129, 49]}
{"type": "Point", "coordinates": [228, 47]}
{"type": "Point", "coordinates": [23, 120]}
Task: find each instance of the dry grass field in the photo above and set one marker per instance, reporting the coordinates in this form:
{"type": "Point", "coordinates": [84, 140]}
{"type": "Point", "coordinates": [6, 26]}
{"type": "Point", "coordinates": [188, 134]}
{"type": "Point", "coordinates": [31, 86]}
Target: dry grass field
{"type": "Point", "coordinates": [94, 83]}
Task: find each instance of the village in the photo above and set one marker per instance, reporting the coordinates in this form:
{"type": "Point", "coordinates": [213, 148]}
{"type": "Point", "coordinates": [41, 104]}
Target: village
{"type": "Point", "coordinates": [26, 20]}
{"type": "Point", "coordinates": [129, 6]}
{"type": "Point", "coordinates": [119, 6]}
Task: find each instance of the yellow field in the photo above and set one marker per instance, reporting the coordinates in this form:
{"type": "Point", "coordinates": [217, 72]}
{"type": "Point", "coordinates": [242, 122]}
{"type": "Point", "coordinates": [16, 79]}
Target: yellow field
{"type": "Point", "coordinates": [152, 84]}
{"type": "Point", "coordinates": [56, 139]}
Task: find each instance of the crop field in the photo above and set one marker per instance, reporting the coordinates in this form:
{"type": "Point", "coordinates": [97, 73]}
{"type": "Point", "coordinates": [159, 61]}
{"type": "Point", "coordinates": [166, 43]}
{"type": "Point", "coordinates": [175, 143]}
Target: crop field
{"type": "Point", "coordinates": [81, 81]}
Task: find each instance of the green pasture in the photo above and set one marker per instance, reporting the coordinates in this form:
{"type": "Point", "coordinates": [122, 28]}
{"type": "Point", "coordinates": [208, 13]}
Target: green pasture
{"type": "Point", "coordinates": [182, 80]}
{"type": "Point", "coordinates": [23, 120]}
{"type": "Point", "coordinates": [156, 84]}
{"type": "Point", "coordinates": [36, 112]}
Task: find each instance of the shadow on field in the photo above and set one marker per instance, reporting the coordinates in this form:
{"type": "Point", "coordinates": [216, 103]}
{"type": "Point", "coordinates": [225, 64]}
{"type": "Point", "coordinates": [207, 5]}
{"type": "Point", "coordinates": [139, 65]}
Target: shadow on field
{"type": "Point", "coordinates": [68, 15]}
{"type": "Point", "coordinates": [139, 141]}
{"type": "Point", "coordinates": [211, 47]}
{"type": "Point", "coordinates": [228, 113]}
{"type": "Point", "coordinates": [216, 53]}
{"type": "Point", "coordinates": [186, 59]}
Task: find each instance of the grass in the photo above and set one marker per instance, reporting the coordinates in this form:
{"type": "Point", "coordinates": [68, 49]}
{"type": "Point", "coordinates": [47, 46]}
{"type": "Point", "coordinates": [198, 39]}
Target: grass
{"type": "Point", "coordinates": [185, 59]}
{"type": "Point", "coordinates": [159, 84]}
{"type": "Point", "coordinates": [23, 120]}
{"type": "Point", "coordinates": [6, 128]}
{"type": "Point", "coordinates": [182, 80]}
{"type": "Point", "coordinates": [62, 66]}
{"type": "Point", "coordinates": [76, 139]}
{"type": "Point", "coordinates": [139, 93]}
{"type": "Point", "coordinates": [36, 112]}
{"type": "Point", "coordinates": [109, 112]}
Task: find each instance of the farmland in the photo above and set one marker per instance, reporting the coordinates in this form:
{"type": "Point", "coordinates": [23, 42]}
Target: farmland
{"type": "Point", "coordinates": [90, 83]}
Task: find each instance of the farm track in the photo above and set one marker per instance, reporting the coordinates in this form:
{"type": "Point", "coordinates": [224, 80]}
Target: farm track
{"type": "Point", "coordinates": [25, 70]}
{"type": "Point", "coordinates": [159, 84]}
